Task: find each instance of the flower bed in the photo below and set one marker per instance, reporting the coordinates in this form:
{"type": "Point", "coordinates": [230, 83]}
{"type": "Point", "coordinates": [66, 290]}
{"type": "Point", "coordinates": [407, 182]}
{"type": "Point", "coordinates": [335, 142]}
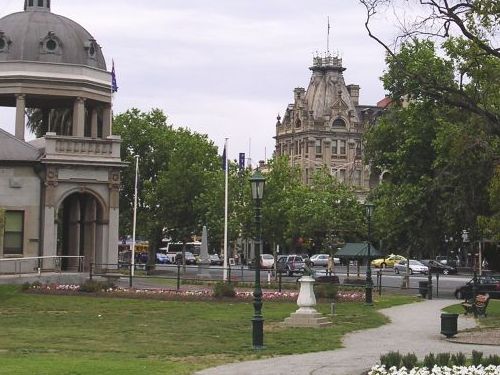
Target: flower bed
{"type": "Point", "coordinates": [455, 370]}
{"type": "Point", "coordinates": [191, 294]}
{"type": "Point", "coordinates": [196, 294]}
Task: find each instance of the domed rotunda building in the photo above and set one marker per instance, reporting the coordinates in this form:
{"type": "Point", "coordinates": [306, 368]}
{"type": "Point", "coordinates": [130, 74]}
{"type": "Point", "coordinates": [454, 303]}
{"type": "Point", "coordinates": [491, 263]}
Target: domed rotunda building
{"type": "Point", "coordinates": [58, 192]}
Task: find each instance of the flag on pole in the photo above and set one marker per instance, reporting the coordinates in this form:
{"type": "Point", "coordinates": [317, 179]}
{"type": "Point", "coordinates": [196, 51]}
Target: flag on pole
{"type": "Point", "coordinates": [114, 86]}
{"type": "Point", "coordinates": [242, 161]}
{"type": "Point", "coordinates": [224, 159]}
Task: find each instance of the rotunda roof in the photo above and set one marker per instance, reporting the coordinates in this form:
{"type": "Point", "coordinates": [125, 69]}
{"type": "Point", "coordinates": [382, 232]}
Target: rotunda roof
{"type": "Point", "coordinates": [38, 35]}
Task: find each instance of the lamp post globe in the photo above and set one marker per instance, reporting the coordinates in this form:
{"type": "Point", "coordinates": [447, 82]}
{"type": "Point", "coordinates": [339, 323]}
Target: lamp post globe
{"type": "Point", "coordinates": [369, 282]}
{"type": "Point", "coordinates": [257, 182]}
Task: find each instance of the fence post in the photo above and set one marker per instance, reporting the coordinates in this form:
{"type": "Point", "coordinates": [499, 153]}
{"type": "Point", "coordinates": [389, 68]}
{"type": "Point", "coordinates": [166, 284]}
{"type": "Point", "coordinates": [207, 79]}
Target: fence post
{"type": "Point", "coordinates": [437, 284]}
{"type": "Point", "coordinates": [279, 282]}
{"type": "Point", "coordinates": [90, 271]}
{"type": "Point", "coordinates": [379, 282]}
{"type": "Point", "coordinates": [178, 277]}
{"type": "Point", "coordinates": [229, 273]}
{"type": "Point", "coordinates": [242, 275]}
{"type": "Point", "coordinates": [130, 278]}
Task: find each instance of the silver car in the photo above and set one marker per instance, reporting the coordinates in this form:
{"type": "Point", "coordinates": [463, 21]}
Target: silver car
{"type": "Point", "coordinates": [415, 267]}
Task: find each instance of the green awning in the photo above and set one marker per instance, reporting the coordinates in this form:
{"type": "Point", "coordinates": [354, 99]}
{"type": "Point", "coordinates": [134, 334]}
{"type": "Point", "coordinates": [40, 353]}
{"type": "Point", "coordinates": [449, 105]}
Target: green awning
{"type": "Point", "coordinates": [358, 250]}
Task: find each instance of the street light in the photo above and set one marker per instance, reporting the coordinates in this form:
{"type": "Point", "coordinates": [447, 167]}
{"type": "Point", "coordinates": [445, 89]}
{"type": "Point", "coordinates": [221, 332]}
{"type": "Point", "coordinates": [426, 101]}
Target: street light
{"type": "Point", "coordinates": [257, 182]}
{"type": "Point", "coordinates": [369, 282]}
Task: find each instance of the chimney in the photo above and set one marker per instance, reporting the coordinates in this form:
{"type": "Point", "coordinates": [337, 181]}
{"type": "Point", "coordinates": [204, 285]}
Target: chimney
{"type": "Point", "coordinates": [354, 93]}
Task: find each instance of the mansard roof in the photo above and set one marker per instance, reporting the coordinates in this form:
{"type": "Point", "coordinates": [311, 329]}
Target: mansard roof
{"type": "Point", "coordinates": [13, 149]}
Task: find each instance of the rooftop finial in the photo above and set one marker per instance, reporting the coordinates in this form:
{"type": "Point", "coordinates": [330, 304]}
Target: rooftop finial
{"type": "Point", "coordinates": [328, 37]}
{"type": "Point", "coordinates": [37, 5]}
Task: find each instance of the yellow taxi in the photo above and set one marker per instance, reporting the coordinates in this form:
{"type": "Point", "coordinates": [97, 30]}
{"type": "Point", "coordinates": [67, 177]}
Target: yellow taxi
{"type": "Point", "coordinates": [389, 261]}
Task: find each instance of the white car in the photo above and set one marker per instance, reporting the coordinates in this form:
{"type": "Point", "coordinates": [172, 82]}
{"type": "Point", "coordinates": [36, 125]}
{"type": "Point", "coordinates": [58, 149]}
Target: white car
{"type": "Point", "coordinates": [266, 261]}
{"type": "Point", "coordinates": [322, 260]}
{"type": "Point", "coordinates": [415, 267]}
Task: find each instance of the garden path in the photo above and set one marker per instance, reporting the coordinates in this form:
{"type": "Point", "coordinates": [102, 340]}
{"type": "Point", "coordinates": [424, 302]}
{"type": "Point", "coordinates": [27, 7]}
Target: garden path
{"type": "Point", "coordinates": [414, 328]}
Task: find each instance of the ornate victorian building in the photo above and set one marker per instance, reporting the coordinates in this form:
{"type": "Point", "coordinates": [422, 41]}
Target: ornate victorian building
{"type": "Point", "coordinates": [58, 193]}
{"type": "Point", "coordinates": [325, 125]}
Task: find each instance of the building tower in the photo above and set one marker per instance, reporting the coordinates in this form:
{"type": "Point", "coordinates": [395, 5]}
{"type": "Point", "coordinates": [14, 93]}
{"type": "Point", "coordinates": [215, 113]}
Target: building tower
{"type": "Point", "coordinates": [324, 126]}
{"type": "Point", "coordinates": [61, 194]}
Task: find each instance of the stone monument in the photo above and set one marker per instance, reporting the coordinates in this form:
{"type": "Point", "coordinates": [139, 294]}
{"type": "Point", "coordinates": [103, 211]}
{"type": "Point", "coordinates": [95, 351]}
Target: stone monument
{"type": "Point", "coordinates": [306, 315]}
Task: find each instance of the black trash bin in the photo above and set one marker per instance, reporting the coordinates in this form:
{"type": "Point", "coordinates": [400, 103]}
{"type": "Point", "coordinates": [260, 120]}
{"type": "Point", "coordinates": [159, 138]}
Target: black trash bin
{"type": "Point", "coordinates": [449, 324]}
{"type": "Point", "coordinates": [423, 286]}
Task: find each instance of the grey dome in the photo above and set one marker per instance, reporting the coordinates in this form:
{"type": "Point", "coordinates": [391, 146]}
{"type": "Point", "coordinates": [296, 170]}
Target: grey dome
{"type": "Point", "coordinates": [41, 36]}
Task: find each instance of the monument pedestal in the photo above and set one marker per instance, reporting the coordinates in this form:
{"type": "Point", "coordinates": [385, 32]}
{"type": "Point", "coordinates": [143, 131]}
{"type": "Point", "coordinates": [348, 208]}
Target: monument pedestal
{"type": "Point", "coordinates": [306, 315]}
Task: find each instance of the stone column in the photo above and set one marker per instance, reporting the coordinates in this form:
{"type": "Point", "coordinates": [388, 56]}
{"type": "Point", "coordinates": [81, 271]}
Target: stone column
{"type": "Point", "coordinates": [107, 119]}
{"type": "Point", "coordinates": [93, 123]}
{"type": "Point", "coordinates": [79, 117]}
{"type": "Point", "coordinates": [20, 116]}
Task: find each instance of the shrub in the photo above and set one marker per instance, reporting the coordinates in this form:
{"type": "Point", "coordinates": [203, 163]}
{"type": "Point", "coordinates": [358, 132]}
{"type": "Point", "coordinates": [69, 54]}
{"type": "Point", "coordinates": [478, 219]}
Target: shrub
{"type": "Point", "coordinates": [325, 291]}
{"type": "Point", "coordinates": [409, 361]}
{"type": "Point", "coordinates": [26, 286]}
{"type": "Point", "coordinates": [36, 285]}
{"type": "Point", "coordinates": [493, 359]}
{"type": "Point", "coordinates": [222, 289]}
{"type": "Point", "coordinates": [354, 281]}
{"type": "Point", "coordinates": [458, 359]}
{"type": "Point", "coordinates": [443, 359]}
{"type": "Point", "coordinates": [477, 357]}
{"type": "Point", "coordinates": [94, 286]}
{"type": "Point", "coordinates": [391, 359]}
{"type": "Point", "coordinates": [429, 361]}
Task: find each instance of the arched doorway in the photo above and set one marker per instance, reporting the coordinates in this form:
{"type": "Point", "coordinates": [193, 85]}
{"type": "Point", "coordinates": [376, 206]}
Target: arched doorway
{"type": "Point", "coordinates": [80, 224]}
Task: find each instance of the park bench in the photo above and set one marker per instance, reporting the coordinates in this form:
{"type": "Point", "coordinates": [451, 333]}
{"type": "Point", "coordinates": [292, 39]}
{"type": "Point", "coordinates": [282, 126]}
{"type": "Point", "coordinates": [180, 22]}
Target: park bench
{"type": "Point", "coordinates": [327, 279]}
{"type": "Point", "coordinates": [477, 306]}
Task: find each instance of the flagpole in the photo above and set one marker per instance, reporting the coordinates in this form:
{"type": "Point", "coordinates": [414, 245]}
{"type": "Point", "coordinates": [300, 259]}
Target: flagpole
{"type": "Point", "coordinates": [226, 173]}
{"type": "Point", "coordinates": [132, 260]}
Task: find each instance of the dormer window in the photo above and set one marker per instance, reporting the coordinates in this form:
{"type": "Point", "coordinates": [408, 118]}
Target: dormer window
{"type": "Point", "coordinates": [4, 43]}
{"type": "Point", "coordinates": [338, 123]}
{"type": "Point", "coordinates": [51, 44]}
{"type": "Point", "coordinates": [91, 47]}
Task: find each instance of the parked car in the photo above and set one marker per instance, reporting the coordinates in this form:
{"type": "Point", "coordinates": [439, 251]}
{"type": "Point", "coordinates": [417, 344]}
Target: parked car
{"type": "Point", "coordinates": [320, 260]}
{"type": "Point", "coordinates": [162, 258]}
{"type": "Point", "coordinates": [437, 267]}
{"type": "Point", "coordinates": [485, 284]}
{"type": "Point", "coordinates": [448, 260]}
{"type": "Point", "coordinates": [290, 264]}
{"type": "Point", "coordinates": [414, 266]}
{"type": "Point", "coordinates": [389, 261]}
{"type": "Point", "coordinates": [266, 261]}
{"type": "Point", "coordinates": [190, 259]}
{"type": "Point", "coordinates": [215, 260]}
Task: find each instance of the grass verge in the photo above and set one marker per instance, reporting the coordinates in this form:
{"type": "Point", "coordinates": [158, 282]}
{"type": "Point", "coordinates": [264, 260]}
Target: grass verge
{"type": "Point", "coordinates": [80, 335]}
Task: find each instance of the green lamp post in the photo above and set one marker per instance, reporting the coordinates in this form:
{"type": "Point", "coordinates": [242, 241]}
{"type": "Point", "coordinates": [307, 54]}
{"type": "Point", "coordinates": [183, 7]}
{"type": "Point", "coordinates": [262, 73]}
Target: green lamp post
{"type": "Point", "coordinates": [257, 182]}
{"type": "Point", "coordinates": [369, 282]}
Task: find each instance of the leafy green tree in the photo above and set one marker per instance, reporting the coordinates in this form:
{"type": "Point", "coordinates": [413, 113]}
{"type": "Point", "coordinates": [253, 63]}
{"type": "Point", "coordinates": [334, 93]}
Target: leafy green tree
{"type": "Point", "coordinates": [438, 142]}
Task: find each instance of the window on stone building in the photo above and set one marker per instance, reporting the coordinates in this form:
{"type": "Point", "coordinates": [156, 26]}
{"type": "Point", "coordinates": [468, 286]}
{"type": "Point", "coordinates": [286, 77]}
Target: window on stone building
{"type": "Point", "coordinates": [335, 147]}
{"type": "Point", "coordinates": [338, 123]}
{"type": "Point", "coordinates": [319, 149]}
{"type": "Point", "coordinates": [13, 233]}
{"type": "Point", "coordinates": [358, 148]}
{"type": "Point", "coordinates": [40, 3]}
{"type": "Point", "coordinates": [341, 175]}
{"type": "Point", "coordinates": [357, 177]}
{"type": "Point", "coordinates": [30, 3]}
{"type": "Point", "coordinates": [342, 147]}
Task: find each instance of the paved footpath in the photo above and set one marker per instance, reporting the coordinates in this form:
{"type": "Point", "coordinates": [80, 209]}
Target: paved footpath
{"type": "Point", "coordinates": [414, 328]}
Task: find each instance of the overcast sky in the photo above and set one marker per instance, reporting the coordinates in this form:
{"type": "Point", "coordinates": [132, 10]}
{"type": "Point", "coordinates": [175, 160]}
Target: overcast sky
{"type": "Point", "coordinates": [222, 67]}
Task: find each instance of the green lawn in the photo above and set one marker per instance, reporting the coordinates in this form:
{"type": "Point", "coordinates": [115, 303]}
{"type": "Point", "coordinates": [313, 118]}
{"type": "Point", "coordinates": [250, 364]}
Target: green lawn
{"type": "Point", "coordinates": [54, 335]}
{"type": "Point", "coordinates": [493, 314]}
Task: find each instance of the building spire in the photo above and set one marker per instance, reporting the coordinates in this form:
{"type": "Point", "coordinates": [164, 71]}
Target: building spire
{"type": "Point", "coordinates": [37, 5]}
{"type": "Point", "coordinates": [328, 37]}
